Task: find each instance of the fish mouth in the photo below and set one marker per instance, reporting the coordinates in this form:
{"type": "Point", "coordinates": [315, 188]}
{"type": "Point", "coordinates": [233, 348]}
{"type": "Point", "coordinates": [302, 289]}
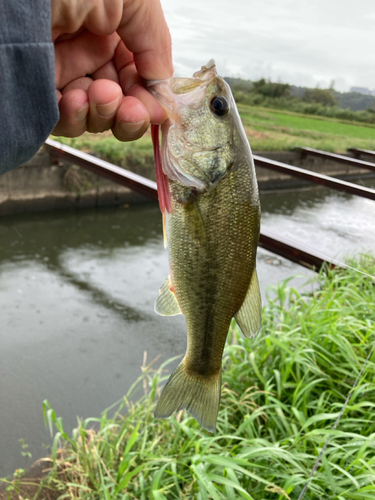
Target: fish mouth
{"type": "Point", "coordinates": [176, 92]}
{"type": "Point", "coordinates": [173, 95]}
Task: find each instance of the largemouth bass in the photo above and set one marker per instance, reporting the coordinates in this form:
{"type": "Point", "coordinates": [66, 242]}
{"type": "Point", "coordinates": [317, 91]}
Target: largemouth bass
{"type": "Point", "coordinates": [209, 198]}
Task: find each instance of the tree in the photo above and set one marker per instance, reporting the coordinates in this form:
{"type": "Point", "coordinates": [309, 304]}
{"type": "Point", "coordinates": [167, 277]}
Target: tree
{"type": "Point", "coordinates": [320, 96]}
{"type": "Point", "coordinates": [271, 89]}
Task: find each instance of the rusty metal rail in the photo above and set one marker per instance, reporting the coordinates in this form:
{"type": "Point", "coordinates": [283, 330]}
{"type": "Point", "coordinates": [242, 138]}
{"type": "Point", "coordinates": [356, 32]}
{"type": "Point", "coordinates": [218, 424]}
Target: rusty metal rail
{"type": "Point", "coordinates": [357, 152]}
{"type": "Point", "coordinates": [316, 178]}
{"type": "Point", "coordinates": [104, 168]}
{"type": "Point", "coordinates": [354, 162]}
{"type": "Point", "coordinates": [273, 242]}
{"type": "Point", "coordinates": [296, 252]}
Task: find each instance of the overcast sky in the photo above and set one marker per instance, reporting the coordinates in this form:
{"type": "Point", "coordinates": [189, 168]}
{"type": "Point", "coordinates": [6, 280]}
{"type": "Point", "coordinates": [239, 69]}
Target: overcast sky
{"type": "Point", "coordinates": [302, 42]}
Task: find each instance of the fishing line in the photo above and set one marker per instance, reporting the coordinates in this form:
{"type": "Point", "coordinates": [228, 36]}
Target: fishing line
{"type": "Point", "coordinates": [344, 265]}
{"type": "Point", "coordinates": [329, 260]}
{"type": "Point", "coordinates": [335, 425]}
{"type": "Point", "coordinates": [333, 261]}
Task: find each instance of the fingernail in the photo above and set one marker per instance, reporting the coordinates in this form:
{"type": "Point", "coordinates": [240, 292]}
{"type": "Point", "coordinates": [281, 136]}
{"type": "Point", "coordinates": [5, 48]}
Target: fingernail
{"type": "Point", "coordinates": [132, 127]}
{"type": "Point", "coordinates": [81, 114]}
{"type": "Point", "coordinates": [107, 110]}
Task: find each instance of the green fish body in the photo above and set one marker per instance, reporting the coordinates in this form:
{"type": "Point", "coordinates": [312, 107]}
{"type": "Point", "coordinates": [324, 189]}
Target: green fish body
{"type": "Point", "coordinates": [212, 233]}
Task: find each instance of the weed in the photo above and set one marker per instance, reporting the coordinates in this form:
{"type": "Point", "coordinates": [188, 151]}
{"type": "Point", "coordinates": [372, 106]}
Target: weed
{"type": "Point", "coordinates": [282, 392]}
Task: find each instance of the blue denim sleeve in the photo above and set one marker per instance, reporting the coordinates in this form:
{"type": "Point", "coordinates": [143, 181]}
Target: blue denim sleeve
{"type": "Point", "coordinates": [28, 104]}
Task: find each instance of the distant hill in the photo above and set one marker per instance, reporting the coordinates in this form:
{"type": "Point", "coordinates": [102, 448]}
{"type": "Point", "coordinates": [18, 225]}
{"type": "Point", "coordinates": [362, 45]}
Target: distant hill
{"type": "Point", "coordinates": [354, 101]}
{"type": "Point", "coordinates": [347, 100]}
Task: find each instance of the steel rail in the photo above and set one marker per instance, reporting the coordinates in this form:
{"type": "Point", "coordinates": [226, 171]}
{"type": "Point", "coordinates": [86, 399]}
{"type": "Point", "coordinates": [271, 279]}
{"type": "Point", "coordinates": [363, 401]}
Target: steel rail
{"type": "Point", "coordinates": [314, 177]}
{"type": "Point", "coordinates": [295, 252]}
{"type": "Point", "coordinates": [268, 240]}
{"type": "Point", "coordinates": [358, 152]}
{"type": "Point", "coordinates": [354, 162]}
{"type": "Point", "coordinates": [103, 168]}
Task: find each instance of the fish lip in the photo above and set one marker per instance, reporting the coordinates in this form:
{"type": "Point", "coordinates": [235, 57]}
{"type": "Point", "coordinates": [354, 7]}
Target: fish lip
{"type": "Point", "coordinates": [170, 99]}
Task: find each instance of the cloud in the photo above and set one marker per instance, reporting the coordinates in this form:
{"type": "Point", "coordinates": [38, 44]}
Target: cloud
{"type": "Point", "coordinates": [302, 42]}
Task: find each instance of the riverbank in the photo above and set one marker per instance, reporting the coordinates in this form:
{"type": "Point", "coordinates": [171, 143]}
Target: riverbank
{"type": "Point", "coordinates": [281, 395]}
{"type": "Point", "coordinates": [45, 183]}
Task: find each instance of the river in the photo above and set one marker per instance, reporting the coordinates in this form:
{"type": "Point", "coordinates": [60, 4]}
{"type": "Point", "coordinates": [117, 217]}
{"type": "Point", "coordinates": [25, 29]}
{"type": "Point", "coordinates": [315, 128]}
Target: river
{"type": "Point", "coordinates": [76, 301]}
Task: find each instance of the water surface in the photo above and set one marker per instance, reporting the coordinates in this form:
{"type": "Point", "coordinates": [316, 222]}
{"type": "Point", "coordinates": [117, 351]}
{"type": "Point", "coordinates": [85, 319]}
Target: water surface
{"type": "Point", "coordinates": [76, 301]}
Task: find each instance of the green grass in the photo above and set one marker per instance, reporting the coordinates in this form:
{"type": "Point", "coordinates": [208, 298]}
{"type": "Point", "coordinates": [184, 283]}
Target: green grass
{"type": "Point", "coordinates": [135, 155]}
{"type": "Point", "coordinates": [281, 395]}
{"type": "Point", "coordinates": [275, 130]}
{"type": "Point", "coordinates": [303, 122]}
{"type": "Point", "coordinates": [106, 145]}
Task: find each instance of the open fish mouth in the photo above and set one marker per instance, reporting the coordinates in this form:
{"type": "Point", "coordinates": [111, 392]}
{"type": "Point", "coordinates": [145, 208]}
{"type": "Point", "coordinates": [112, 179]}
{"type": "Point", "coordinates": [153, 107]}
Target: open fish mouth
{"type": "Point", "coordinates": [176, 92]}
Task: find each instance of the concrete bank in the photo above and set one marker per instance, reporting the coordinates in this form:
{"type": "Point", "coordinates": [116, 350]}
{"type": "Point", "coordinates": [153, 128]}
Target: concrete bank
{"type": "Point", "coordinates": [46, 184]}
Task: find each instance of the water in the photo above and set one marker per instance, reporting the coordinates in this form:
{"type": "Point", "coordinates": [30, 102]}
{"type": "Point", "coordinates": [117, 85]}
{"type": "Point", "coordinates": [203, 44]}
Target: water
{"type": "Point", "coordinates": [76, 301]}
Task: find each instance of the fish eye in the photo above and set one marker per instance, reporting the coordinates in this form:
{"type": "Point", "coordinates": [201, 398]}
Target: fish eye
{"type": "Point", "coordinates": [219, 105]}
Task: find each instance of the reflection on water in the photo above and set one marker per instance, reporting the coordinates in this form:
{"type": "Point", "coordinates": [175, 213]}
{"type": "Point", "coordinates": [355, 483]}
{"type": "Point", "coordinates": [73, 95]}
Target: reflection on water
{"type": "Point", "coordinates": [76, 301]}
{"type": "Point", "coordinates": [334, 223]}
{"type": "Point", "coordinates": [76, 314]}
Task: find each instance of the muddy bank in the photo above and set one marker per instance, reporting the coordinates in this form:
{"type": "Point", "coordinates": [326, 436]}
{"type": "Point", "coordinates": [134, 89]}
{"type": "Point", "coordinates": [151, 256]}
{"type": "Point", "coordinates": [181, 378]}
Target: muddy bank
{"type": "Point", "coordinates": [44, 183]}
{"type": "Point", "coordinates": [31, 485]}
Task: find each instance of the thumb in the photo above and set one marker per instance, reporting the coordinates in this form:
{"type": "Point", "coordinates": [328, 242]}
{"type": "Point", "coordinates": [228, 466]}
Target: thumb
{"type": "Point", "coordinates": [145, 33]}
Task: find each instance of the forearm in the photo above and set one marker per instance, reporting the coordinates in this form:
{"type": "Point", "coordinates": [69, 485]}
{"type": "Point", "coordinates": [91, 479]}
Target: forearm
{"type": "Point", "coordinates": [28, 104]}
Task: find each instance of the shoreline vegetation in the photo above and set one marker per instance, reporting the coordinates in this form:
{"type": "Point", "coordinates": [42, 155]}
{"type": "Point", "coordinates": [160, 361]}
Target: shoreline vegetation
{"type": "Point", "coordinates": [281, 395]}
{"type": "Point", "coordinates": [311, 101]}
{"type": "Point", "coordinates": [268, 129]}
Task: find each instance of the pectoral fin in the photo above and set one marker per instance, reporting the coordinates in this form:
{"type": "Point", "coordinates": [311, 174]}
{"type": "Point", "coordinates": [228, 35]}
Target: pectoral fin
{"type": "Point", "coordinates": [249, 317]}
{"type": "Point", "coordinates": [166, 304]}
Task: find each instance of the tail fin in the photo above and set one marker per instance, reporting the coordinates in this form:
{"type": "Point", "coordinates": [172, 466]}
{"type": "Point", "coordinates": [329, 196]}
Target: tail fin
{"type": "Point", "coordinates": [199, 396]}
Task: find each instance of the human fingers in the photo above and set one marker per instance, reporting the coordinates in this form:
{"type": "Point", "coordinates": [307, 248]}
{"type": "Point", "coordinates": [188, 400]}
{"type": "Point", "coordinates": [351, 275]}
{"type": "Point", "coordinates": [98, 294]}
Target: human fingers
{"type": "Point", "coordinates": [105, 98]}
{"type": "Point", "coordinates": [140, 24]}
{"type": "Point", "coordinates": [108, 72]}
{"type": "Point", "coordinates": [132, 120]}
{"type": "Point", "coordinates": [74, 108]}
{"type": "Point", "coordinates": [87, 105]}
{"type": "Point", "coordinates": [80, 83]}
{"type": "Point", "coordinates": [132, 85]}
{"type": "Point", "coordinates": [82, 55]}
{"type": "Point", "coordinates": [99, 16]}
{"type": "Point", "coordinates": [145, 33]}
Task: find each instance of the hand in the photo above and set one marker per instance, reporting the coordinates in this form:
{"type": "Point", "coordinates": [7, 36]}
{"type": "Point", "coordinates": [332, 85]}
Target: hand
{"type": "Point", "coordinates": [103, 49]}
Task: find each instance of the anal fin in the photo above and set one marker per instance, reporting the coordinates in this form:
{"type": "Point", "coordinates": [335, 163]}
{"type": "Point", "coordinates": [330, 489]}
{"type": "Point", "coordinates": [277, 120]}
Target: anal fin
{"type": "Point", "coordinates": [249, 317]}
{"type": "Point", "coordinates": [166, 304]}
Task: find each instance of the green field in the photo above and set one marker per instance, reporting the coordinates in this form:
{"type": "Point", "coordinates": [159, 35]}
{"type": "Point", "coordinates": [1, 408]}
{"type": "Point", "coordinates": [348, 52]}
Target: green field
{"type": "Point", "coordinates": [267, 130]}
{"type": "Point", "coordinates": [273, 130]}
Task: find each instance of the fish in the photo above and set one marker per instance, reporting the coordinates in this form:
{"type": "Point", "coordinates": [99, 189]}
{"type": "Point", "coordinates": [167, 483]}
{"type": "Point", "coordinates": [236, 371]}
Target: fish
{"type": "Point", "coordinates": [209, 199]}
